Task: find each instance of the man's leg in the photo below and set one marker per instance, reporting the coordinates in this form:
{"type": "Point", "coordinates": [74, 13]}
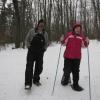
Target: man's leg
{"type": "Point", "coordinates": [29, 69]}
{"type": "Point", "coordinates": [38, 69]}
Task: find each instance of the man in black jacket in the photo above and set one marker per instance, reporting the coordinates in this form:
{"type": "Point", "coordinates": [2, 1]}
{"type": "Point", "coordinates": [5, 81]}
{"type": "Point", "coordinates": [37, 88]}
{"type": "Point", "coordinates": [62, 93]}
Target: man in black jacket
{"type": "Point", "coordinates": [37, 42]}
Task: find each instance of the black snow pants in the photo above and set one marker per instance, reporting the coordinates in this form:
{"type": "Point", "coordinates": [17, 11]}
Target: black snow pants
{"type": "Point", "coordinates": [72, 65]}
{"type": "Point", "coordinates": [34, 59]}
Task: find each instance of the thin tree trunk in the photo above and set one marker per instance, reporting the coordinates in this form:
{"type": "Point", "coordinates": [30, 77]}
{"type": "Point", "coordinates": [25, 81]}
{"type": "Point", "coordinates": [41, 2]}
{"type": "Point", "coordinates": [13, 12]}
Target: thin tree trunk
{"type": "Point", "coordinates": [17, 15]}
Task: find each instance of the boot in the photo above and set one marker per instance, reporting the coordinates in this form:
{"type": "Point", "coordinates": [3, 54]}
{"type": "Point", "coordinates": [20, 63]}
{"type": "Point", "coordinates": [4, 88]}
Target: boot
{"type": "Point", "coordinates": [27, 87]}
{"type": "Point", "coordinates": [37, 83]}
{"type": "Point", "coordinates": [64, 80]}
{"type": "Point", "coordinates": [77, 87]}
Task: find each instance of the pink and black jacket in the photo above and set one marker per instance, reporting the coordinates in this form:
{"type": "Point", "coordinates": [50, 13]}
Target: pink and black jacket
{"type": "Point", "coordinates": [74, 43]}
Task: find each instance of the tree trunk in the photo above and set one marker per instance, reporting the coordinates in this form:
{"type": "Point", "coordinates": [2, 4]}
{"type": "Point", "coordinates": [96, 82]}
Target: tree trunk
{"type": "Point", "coordinates": [17, 15]}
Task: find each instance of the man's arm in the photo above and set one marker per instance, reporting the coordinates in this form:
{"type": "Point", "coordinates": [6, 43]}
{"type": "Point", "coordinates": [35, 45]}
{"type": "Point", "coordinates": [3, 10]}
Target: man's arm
{"type": "Point", "coordinates": [29, 38]}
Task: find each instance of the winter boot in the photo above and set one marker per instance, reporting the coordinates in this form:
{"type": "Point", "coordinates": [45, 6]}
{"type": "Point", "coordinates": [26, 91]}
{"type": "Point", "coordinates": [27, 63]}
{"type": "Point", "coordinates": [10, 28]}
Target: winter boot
{"type": "Point", "coordinates": [27, 87]}
{"type": "Point", "coordinates": [64, 80]}
{"type": "Point", "coordinates": [77, 88]}
{"type": "Point", "coordinates": [37, 83]}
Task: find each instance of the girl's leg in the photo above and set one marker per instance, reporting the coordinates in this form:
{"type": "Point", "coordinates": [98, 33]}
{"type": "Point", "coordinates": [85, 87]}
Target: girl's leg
{"type": "Point", "coordinates": [75, 70]}
{"type": "Point", "coordinates": [67, 71]}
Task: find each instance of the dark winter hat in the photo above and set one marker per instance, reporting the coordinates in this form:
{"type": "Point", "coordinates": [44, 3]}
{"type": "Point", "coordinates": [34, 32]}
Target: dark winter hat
{"type": "Point", "coordinates": [77, 25]}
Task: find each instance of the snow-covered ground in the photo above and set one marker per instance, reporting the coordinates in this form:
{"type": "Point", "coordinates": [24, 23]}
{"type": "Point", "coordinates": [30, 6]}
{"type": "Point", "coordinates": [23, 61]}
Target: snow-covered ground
{"type": "Point", "coordinates": [12, 75]}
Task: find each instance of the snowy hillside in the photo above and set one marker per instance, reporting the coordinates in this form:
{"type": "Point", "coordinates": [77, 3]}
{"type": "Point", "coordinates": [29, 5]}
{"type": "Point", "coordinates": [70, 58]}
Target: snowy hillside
{"type": "Point", "coordinates": [12, 71]}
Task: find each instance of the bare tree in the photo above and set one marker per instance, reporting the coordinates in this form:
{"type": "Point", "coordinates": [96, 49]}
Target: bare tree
{"type": "Point", "coordinates": [96, 5]}
{"type": "Point", "coordinates": [59, 16]}
{"type": "Point", "coordinates": [17, 16]}
{"type": "Point", "coordinates": [3, 17]}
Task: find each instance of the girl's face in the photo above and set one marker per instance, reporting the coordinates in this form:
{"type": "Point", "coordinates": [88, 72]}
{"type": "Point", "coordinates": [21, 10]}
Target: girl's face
{"type": "Point", "coordinates": [78, 30]}
{"type": "Point", "coordinates": [41, 26]}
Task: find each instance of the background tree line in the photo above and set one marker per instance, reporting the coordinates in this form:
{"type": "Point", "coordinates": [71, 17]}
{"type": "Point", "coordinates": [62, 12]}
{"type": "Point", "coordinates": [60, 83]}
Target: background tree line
{"type": "Point", "coordinates": [17, 17]}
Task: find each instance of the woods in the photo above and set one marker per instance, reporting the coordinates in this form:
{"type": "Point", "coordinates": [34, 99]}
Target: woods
{"type": "Point", "coordinates": [18, 16]}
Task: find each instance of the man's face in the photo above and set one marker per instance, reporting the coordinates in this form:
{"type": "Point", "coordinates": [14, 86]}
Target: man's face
{"type": "Point", "coordinates": [41, 26]}
{"type": "Point", "coordinates": [77, 30]}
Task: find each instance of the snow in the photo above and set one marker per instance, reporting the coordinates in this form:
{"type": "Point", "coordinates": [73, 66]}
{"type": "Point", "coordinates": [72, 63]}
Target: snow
{"type": "Point", "coordinates": [12, 75]}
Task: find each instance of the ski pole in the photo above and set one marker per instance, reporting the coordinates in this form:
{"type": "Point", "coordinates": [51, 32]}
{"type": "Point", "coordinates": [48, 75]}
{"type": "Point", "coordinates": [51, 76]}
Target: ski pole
{"type": "Point", "coordinates": [56, 70]}
{"type": "Point", "coordinates": [89, 74]}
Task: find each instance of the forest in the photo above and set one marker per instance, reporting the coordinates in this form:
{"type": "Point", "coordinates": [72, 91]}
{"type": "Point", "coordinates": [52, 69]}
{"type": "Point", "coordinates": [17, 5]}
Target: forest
{"type": "Point", "coordinates": [17, 17]}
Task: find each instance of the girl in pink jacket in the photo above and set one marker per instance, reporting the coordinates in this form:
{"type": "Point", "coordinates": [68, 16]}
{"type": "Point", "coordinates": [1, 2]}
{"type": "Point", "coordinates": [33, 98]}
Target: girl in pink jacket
{"type": "Point", "coordinates": [74, 41]}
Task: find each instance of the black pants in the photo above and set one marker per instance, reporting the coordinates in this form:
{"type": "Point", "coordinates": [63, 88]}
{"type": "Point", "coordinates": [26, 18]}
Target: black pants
{"type": "Point", "coordinates": [33, 58]}
{"type": "Point", "coordinates": [72, 65]}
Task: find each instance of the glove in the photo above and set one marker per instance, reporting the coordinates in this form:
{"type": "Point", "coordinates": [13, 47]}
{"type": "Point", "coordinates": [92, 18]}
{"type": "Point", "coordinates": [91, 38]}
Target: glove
{"type": "Point", "coordinates": [61, 38]}
{"type": "Point", "coordinates": [87, 40]}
